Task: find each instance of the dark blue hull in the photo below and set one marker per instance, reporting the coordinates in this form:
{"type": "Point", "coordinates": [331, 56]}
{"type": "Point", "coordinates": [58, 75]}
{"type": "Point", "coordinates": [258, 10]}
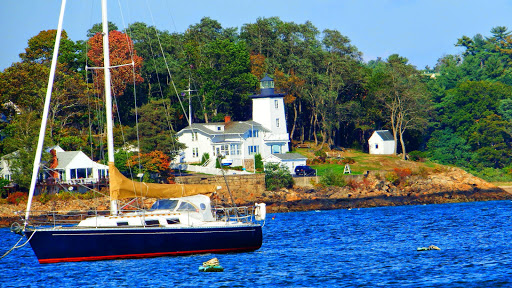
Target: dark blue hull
{"type": "Point", "coordinates": [88, 244]}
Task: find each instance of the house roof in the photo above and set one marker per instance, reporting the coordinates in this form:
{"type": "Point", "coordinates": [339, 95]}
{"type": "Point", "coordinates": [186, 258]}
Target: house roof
{"type": "Point", "coordinates": [385, 135]}
{"type": "Point", "coordinates": [289, 156]}
{"type": "Point", "coordinates": [64, 158]}
{"type": "Point", "coordinates": [235, 127]}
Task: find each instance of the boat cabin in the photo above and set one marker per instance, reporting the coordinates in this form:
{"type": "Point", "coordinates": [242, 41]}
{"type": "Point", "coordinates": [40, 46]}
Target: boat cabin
{"type": "Point", "coordinates": [190, 211]}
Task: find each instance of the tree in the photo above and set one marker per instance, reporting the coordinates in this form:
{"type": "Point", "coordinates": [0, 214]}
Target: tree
{"type": "Point", "coordinates": [121, 52]}
{"type": "Point", "coordinates": [405, 97]}
{"type": "Point", "coordinates": [491, 140]}
{"type": "Point", "coordinates": [25, 84]}
{"type": "Point", "coordinates": [277, 176]}
{"type": "Point", "coordinates": [155, 128]}
{"type": "Point", "coordinates": [469, 102]}
{"type": "Point", "coordinates": [40, 49]}
{"type": "Point", "coordinates": [98, 28]}
{"type": "Point", "coordinates": [224, 80]}
{"type": "Point", "coordinates": [21, 140]}
{"type": "Point", "coordinates": [154, 165]}
{"type": "Point", "coordinates": [447, 147]}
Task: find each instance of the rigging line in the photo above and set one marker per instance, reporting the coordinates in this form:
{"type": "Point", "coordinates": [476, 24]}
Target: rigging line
{"type": "Point", "coordinates": [111, 66]}
{"type": "Point", "coordinates": [167, 64]}
{"type": "Point", "coordinates": [131, 47]}
{"type": "Point", "coordinates": [46, 168]}
{"type": "Point", "coordinates": [166, 107]}
{"type": "Point", "coordinates": [169, 73]}
{"type": "Point", "coordinates": [15, 245]}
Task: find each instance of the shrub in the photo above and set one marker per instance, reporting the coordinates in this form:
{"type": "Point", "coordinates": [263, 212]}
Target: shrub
{"type": "Point", "coordinates": [17, 197]}
{"type": "Point", "coordinates": [44, 198]}
{"type": "Point", "coordinates": [3, 183]}
{"type": "Point", "coordinates": [277, 176]}
{"type": "Point", "coordinates": [422, 172]}
{"type": "Point", "coordinates": [320, 156]}
{"type": "Point", "coordinates": [403, 172]}
{"type": "Point", "coordinates": [330, 178]}
{"type": "Point", "coordinates": [205, 158]}
{"type": "Point", "coordinates": [348, 160]}
{"type": "Point", "coordinates": [258, 163]}
{"type": "Point", "coordinates": [494, 175]}
{"type": "Point", "coordinates": [91, 194]}
{"type": "Point", "coordinates": [392, 177]}
{"type": "Point", "coordinates": [64, 195]}
{"type": "Point", "coordinates": [417, 156]}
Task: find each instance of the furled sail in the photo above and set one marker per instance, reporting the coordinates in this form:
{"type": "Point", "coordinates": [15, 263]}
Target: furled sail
{"type": "Point", "coordinates": [122, 187]}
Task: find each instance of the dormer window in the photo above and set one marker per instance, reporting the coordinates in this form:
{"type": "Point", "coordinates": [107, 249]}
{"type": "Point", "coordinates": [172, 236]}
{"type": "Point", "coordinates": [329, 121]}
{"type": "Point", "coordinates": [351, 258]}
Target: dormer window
{"type": "Point", "coordinates": [253, 133]}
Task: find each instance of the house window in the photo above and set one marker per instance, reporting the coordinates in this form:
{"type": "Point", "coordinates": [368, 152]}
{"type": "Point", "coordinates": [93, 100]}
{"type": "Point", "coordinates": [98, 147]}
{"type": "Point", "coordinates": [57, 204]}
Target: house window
{"type": "Point", "coordinates": [254, 149]}
{"type": "Point", "coordinates": [195, 152]}
{"type": "Point", "coordinates": [80, 173]}
{"type": "Point", "coordinates": [194, 136]}
{"type": "Point", "coordinates": [224, 150]}
{"type": "Point", "coordinates": [102, 173]}
{"type": "Point", "coordinates": [235, 149]}
{"type": "Point", "coordinates": [218, 128]}
{"type": "Point", "coordinates": [253, 133]}
{"type": "Point", "coordinates": [276, 149]}
{"type": "Point", "coordinates": [376, 146]}
{"type": "Point", "coordinates": [276, 104]}
{"type": "Point", "coordinates": [277, 122]}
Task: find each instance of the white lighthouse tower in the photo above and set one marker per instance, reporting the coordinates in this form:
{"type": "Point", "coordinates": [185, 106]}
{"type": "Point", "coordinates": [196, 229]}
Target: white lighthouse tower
{"type": "Point", "coordinates": [268, 110]}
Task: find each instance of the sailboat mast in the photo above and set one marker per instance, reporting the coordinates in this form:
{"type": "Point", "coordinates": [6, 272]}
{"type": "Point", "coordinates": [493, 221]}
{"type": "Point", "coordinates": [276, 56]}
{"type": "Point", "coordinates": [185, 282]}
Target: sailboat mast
{"type": "Point", "coordinates": [40, 142]}
{"type": "Point", "coordinates": [108, 95]}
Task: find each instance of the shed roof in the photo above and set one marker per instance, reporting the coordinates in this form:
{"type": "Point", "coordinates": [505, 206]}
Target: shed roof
{"type": "Point", "coordinates": [385, 135]}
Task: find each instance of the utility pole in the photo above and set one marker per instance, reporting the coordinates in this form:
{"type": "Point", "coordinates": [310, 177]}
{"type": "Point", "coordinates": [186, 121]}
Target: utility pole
{"type": "Point", "coordinates": [189, 103]}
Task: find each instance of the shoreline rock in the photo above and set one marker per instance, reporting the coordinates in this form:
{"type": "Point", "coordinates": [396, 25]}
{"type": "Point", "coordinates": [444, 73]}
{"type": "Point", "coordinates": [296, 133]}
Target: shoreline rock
{"type": "Point", "coordinates": [452, 185]}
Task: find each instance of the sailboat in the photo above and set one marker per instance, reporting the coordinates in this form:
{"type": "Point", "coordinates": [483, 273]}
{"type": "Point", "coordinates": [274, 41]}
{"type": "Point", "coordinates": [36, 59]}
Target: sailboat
{"type": "Point", "coordinates": [182, 220]}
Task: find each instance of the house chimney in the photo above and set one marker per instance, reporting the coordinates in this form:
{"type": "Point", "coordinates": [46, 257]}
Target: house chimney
{"type": "Point", "coordinates": [227, 119]}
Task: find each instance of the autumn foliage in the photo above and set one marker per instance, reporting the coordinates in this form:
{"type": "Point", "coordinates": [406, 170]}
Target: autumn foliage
{"type": "Point", "coordinates": [155, 161]}
{"type": "Point", "coordinates": [121, 50]}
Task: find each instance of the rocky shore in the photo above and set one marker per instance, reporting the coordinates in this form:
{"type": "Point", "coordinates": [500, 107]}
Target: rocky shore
{"type": "Point", "coordinates": [448, 185]}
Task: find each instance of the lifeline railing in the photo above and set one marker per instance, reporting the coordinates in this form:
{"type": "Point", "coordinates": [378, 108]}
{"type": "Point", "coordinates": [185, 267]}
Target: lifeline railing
{"type": "Point", "coordinates": [234, 214]}
{"type": "Point", "coordinates": [37, 218]}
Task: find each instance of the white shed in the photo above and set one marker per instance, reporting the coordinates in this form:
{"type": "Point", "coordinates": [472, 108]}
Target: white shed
{"type": "Point", "coordinates": [290, 160]}
{"type": "Point", "coordinates": [381, 142]}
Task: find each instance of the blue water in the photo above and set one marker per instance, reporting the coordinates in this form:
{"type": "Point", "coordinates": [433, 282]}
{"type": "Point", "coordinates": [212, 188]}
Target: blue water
{"type": "Point", "coordinates": [372, 247]}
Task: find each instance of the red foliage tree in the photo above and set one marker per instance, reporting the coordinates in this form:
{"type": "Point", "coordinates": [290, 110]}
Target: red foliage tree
{"type": "Point", "coordinates": [153, 162]}
{"type": "Point", "coordinates": [121, 52]}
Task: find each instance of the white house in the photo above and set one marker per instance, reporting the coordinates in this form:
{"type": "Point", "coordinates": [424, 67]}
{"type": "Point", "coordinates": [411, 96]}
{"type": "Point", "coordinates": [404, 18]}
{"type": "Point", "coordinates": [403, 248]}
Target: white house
{"type": "Point", "coordinates": [73, 167]}
{"type": "Point", "coordinates": [237, 141]}
{"type": "Point", "coordinates": [5, 164]}
{"type": "Point", "coordinates": [76, 167]}
{"type": "Point", "coordinates": [290, 160]}
{"type": "Point", "coordinates": [381, 142]}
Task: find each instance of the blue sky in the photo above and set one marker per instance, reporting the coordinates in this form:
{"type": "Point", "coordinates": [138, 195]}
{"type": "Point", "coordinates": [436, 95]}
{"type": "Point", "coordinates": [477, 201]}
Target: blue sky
{"type": "Point", "coordinates": [422, 31]}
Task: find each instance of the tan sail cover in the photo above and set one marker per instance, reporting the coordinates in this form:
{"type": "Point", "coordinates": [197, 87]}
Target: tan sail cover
{"type": "Point", "coordinates": [122, 187]}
